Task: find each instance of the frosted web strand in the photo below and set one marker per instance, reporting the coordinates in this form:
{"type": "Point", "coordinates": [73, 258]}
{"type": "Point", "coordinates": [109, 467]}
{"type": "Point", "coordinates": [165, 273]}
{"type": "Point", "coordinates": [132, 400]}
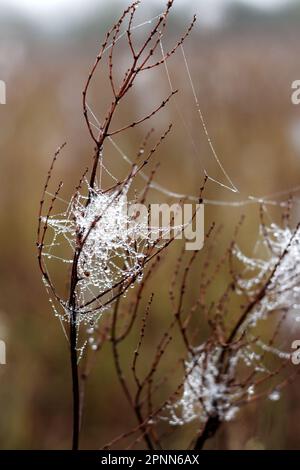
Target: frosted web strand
{"type": "Point", "coordinates": [214, 202]}
{"type": "Point", "coordinates": [58, 198]}
{"type": "Point", "coordinates": [284, 192]}
{"type": "Point", "coordinates": [232, 187]}
{"type": "Point", "coordinates": [57, 314]}
{"type": "Point", "coordinates": [63, 329]}
{"type": "Point", "coordinates": [103, 167]}
{"type": "Point", "coordinates": [276, 351]}
{"type": "Point", "coordinates": [133, 28]}
{"type": "Point", "coordinates": [125, 157]}
{"type": "Point", "coordinates": [178, 108]}
{"type": "Point", "coordinates": [100, 170]}
{"type": "Point", "coordinates": [251, 200]}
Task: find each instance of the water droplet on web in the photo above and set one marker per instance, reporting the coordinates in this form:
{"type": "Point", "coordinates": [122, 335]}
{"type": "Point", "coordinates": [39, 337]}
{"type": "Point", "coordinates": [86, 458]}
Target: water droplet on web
{"type": "Point", "coordinates": [274, 396]}
{"type": "Point", "coordinates": [251, 390]}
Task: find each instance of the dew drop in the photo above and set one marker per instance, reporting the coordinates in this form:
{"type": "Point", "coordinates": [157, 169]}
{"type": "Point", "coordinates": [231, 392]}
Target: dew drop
{"type": "Point", "coordinates": [274, 396]}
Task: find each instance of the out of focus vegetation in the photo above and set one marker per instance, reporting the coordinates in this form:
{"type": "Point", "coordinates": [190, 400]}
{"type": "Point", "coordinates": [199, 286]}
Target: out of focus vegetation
{"type": "Point", "coordinates": [243, 73]}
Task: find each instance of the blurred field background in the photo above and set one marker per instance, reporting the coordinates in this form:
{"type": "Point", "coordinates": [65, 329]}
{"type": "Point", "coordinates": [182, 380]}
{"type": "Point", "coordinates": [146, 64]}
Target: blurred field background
{"type": "Point", "coordinates": [243, 64]}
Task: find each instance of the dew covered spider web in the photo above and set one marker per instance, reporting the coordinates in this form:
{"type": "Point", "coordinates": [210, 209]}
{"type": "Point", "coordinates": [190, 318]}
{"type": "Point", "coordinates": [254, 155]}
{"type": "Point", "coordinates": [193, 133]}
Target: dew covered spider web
{"type": "Point", "coordinates": [114, 242]}
{"type": "Point", "coordinates": [207, 392]}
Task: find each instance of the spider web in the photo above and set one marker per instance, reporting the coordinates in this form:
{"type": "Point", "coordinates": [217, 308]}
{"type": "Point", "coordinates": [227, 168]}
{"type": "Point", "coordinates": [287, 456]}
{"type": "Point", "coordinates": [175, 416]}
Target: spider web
{"type": "Point", "coordinates": [267, 200]}
{"type": "Point", "coordinates": [99, 254]}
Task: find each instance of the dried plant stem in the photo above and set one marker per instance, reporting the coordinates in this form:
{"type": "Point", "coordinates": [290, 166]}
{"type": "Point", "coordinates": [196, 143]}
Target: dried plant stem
{"type": "Point", "coordinates": [211, 427]}
{"type": "Point", "coordinates": [75, 383]}
{"type": "Point", "coordinates": [73, 355]}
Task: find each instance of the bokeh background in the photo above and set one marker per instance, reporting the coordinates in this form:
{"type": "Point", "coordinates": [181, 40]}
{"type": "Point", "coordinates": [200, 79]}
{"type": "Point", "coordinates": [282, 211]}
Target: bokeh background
{"type": "Point", "coordinates": [243, 58]}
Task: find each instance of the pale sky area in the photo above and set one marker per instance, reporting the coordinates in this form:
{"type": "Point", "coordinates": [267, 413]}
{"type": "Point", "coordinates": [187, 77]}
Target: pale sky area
{"type": "Point", "coordinates": [59, 11]}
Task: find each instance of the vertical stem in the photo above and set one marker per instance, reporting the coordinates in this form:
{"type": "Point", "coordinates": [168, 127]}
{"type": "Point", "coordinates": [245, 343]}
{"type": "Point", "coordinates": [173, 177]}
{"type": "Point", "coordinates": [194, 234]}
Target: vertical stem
{"type": "Point", "coordinates": [75, 382]}
{"type": "Point", "coordinates": [210, 429]}
{"type": "Point", "coordinates": [73, 354]}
